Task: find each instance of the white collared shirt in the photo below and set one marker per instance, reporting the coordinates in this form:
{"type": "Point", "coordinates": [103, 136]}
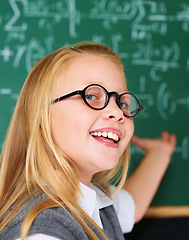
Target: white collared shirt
{"type": "Point", "coordinates": [93, 199]}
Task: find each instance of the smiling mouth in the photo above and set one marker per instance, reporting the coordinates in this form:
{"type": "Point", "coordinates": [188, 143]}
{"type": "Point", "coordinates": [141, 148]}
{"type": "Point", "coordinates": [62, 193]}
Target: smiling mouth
{"type": "Point", "coordinates": [110, 136]}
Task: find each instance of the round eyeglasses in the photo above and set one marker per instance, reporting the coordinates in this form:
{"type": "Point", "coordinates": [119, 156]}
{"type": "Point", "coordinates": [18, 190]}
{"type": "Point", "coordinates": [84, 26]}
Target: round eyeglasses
{"type": "Point", "coordinates": [97, 97]}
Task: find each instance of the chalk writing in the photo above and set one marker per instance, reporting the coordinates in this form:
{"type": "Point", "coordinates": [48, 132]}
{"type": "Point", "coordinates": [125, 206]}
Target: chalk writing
{"type": "Point", "coordinates": [150, 36]}
{"type": "Point", "coordinates": [6, 53]}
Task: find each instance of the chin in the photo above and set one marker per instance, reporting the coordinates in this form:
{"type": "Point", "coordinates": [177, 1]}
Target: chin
{"type": "Point", "coordinates": [109, 165]}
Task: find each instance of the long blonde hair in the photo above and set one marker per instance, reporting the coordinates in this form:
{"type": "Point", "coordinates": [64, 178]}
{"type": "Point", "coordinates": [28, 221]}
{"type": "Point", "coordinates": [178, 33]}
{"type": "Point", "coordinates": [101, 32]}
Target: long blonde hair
{"type": "Point", "coordinates": [30, 159]}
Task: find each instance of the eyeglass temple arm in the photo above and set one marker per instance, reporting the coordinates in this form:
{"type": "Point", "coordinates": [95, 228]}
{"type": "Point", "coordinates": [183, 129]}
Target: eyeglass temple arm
{"type": "Point", "coordinates": [66, 96]}
{"type": "Point", "coordinates": [141, 107]}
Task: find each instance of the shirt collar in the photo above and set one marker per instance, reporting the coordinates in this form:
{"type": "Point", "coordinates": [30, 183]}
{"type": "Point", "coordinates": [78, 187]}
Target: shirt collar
{"type": "Point", "coordinates": [92, 200]}
{"type": "Point", "coordinates": [102, 199]}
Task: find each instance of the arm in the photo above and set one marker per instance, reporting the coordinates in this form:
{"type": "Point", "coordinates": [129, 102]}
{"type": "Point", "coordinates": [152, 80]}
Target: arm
{"type": "Point", "coordinates": [145, 180]}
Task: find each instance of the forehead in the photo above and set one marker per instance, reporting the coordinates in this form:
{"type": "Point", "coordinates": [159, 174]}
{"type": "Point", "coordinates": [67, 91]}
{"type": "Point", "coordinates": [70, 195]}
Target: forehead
{"type": "Point", "coordinates": [89, 69]}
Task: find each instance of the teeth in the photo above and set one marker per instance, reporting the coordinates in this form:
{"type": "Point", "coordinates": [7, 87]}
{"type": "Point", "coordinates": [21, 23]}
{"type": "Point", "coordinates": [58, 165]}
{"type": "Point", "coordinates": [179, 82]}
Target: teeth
{"type": "Point", "coordinates": [104, 134]}
{"type": "Point", "coordinates": [110, 135]}
{"type": "Point", "coordinates": [115, 137]}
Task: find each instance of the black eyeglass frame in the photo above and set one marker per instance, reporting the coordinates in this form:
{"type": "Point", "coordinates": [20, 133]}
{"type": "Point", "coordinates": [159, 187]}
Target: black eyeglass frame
{"type": "Point", "coordinates": [108, 95]}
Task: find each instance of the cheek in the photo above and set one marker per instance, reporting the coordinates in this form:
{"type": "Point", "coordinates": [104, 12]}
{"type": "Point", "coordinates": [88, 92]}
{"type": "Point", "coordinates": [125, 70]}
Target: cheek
{"type": "Point", "coordinates": [58, 120]}
{"type": "Point", "coordinates": [69, 122]}
{"type": "Point", "coordinates": [132, 128]}
{"type": "Point", "coordinates": [129, 130]}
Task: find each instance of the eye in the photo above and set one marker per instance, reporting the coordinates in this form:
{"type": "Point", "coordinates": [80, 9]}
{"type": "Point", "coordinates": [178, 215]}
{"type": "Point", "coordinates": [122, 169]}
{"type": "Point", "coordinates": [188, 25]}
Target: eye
{"type": "Point", "coordinates": [125, 102]}
{"type": "Point", "coordinates": [124, 105]}
{"type": "Point", "coordinates": [91, 97]}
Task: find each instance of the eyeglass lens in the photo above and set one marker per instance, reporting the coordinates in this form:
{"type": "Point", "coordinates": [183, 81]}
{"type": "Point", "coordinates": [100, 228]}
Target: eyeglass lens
{"type": "Point", "coordinates": [96, 97]}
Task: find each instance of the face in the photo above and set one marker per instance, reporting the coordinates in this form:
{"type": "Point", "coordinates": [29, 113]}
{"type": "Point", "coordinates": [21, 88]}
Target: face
{"type": "Point", "coordinates": [85, 134]}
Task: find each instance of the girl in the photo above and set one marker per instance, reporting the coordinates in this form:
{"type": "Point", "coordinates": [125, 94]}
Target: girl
{"type": "Point", "coordinates": [67, 142]}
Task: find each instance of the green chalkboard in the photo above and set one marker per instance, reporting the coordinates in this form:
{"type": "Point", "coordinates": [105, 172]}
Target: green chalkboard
{"type": "Point", "coordinates": [152, 38]}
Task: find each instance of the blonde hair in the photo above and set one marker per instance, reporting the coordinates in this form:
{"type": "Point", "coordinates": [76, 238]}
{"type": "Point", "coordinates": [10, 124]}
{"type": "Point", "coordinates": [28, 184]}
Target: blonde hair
{"type": "Point", "coordinates": [30, 159]}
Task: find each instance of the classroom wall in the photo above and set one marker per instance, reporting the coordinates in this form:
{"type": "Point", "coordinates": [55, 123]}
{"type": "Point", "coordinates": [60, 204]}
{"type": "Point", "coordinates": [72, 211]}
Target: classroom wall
{"type": "Point", "coordinates": [152, 38]}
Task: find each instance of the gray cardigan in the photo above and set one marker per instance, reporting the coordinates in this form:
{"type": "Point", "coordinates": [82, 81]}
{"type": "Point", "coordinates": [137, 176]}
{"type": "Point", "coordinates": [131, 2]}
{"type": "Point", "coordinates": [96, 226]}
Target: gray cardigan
{"type": "Point", "coordinates": [58, 222]}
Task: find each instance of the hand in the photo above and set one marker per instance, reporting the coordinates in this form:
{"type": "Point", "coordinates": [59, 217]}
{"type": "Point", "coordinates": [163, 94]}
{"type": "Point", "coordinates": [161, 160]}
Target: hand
{"type": "Point", "coordinates": [166, 144]}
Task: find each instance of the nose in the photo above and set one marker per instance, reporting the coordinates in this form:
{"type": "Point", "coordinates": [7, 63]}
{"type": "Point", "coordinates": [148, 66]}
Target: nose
{"type": "Point", "coordinates": [112, 111]}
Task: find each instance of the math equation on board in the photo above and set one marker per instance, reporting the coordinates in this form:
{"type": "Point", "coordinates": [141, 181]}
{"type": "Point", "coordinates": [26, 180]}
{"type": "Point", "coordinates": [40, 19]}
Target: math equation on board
{"type": "Point", "coordinates": [150, 36]}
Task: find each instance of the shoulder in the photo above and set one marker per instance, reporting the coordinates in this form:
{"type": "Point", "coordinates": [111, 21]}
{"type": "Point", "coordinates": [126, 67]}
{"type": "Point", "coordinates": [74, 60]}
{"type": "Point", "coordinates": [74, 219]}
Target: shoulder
{"type": "Point", "coordinates": [56, 222]}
